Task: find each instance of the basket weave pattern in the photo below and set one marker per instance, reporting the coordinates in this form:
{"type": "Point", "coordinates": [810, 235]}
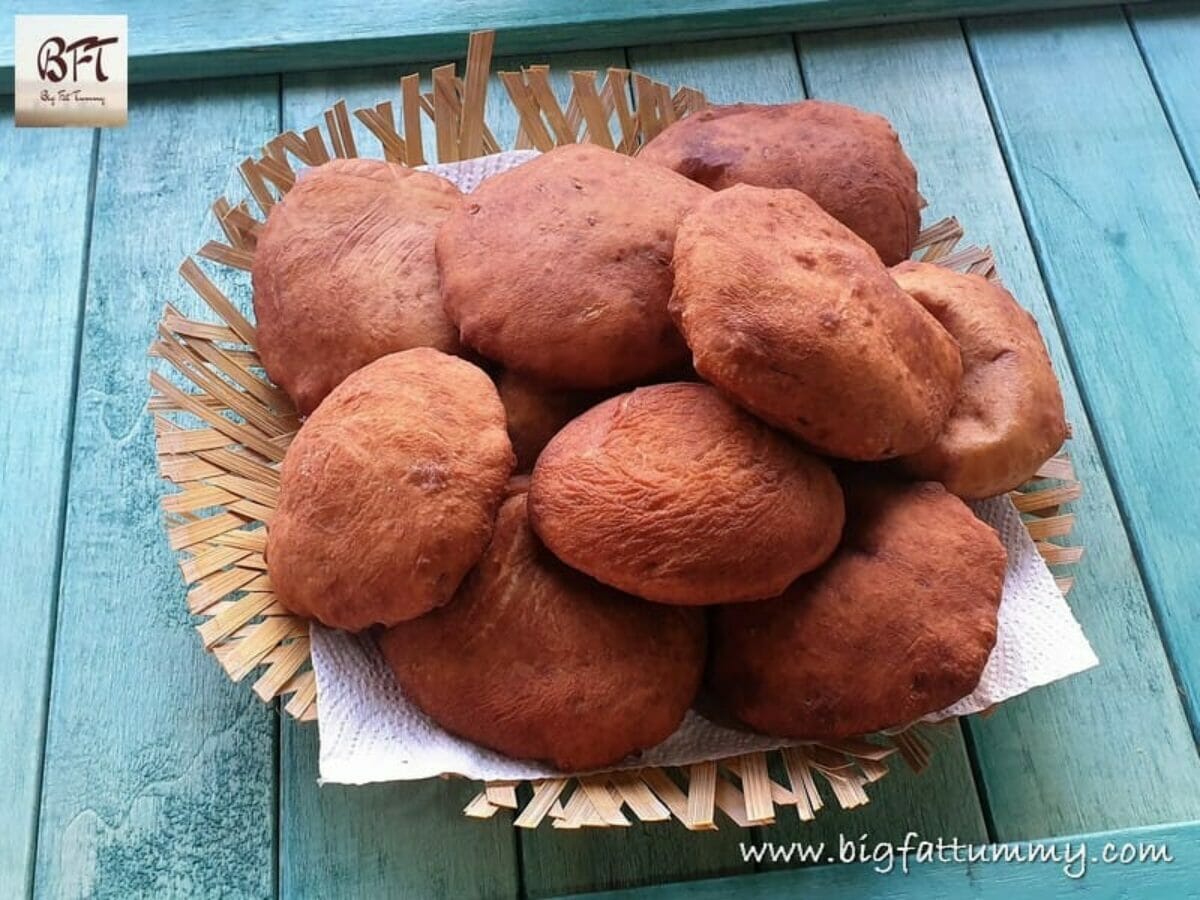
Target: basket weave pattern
{"type": "Point", "coordinates": [222, 429]}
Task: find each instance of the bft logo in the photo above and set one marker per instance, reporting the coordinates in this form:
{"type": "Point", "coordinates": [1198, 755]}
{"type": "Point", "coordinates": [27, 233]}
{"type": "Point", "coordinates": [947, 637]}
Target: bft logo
{"type": "Point", "coordinates": [57, 58]}
{"type": "Point", "coordinates": [71, 70]}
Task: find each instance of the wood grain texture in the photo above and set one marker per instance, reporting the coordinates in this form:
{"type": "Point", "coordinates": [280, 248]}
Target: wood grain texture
{"type": "Point", "coordinates": [159, 772]}
{"type": "Point", "coordinates": [944, 799]}
{"type": "Point", "coordinates": [991, 881]}
{"type": "Point", "coordinates": [385, 840]}
{"type": "Point", "coordinates": [1115, 221]}
{"type": "Point", "coordinates": [402, 839]}
{"type": "Point", "coordinates": [40, 278]}
{"type": "Point", "coordinates": [1169, 37]}
{"type": "Point", "coordinates": [761, 70]}
{"type": "Point", "coordinates": [225, 38]}
{"type": "Point", "coordinates": [1060, 759]}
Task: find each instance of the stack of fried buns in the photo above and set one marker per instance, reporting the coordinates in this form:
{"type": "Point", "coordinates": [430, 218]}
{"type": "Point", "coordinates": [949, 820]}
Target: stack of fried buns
{"type": "Point", "coordinates": [612, 430]}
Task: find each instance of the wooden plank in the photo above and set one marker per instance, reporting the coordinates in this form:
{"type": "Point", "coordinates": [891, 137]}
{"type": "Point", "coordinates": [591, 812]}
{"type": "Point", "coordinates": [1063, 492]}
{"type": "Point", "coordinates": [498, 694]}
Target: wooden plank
{"type": "Point", "coordinates": [1168, 35]}
{"type": "Point", "coordinates": [1060, 759]}
{"type": "Point", "coordinates": [944, 799]}
{"type": "Point", "coordinates": [276, 36]}
{"type": "Point", "coordinates": [159, 772]}
{"type": "Point", "coordinates": [762, 70]}
{"type": "Point", "coordinates": [407, 839]}
{"type": "Point", "coordinates": [1055, 879]}
{"type": "Point", "coordinates": [398, 840]}
{"type": "Point", "coordinates": [1115, 221]}
{"type": "Point", "coordinates": [40, 281]}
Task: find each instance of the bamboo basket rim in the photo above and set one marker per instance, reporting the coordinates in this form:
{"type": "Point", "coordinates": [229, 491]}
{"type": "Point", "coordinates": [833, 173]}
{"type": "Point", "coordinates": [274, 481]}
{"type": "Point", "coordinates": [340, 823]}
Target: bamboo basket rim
{"type": "Point", "coordinates": [220, 440]}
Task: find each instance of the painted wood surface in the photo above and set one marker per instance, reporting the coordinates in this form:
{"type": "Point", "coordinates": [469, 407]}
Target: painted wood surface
{"type": "Point", "coordinates": [171, 42]}
{"type": "Point", "coordinates": [394, 840]}
{"type": "Point", "coordinates": [39, 310]}
{"type": "Point", "coordinates": [1057, 760]}
{"type": "Point", "coordinates": [944, 799]}
{"type": "Point", "coordinates": [160, 777]}
{"type": "Point", "coordinates": [389, 839]}
{"type": "Point", "coordinates": [159, 772]}
{"type": "Point", "coordinates": [992, 881]}
{"type": "Point", "coordinates": [1115, 221]}
{"type": "Point", "coordinates": [1169, 37]}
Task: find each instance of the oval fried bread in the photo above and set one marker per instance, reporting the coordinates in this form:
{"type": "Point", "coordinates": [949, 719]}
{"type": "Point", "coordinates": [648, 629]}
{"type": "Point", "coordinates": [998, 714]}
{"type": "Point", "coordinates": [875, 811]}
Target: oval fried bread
{"type": "Point", "coordinates": [1008, 417]}
{"type": "Point", "coordinates": [849, 161]}
{"type": "Point", "coordinates": [897, 625]}
{"type": "Point", "coordinates": [344, 273]}
{"type": "Point", "coordinates": [793, 316]}
{"type": "Point", "coordinates": [538, 661]}
{"type": "Point", "coordinates": [560, 269]}
{"type": "Point", "coordinates": [388, 492]}
{"type": "Point", "coordinates": [673, 494]}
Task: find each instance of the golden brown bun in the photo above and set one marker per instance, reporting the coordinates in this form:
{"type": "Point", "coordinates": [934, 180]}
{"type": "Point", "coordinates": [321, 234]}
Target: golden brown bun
{"type": "Point", "coordinates": [849, 161]}
{"type": "Point", "coordinates": [899, 624]}
{"type": "Point", "coordinates": [1008, 418]}
{"type": "Point", "coordinates": [793, 315]}
{"type": "Point", "coordinates": [674, 494]}
{"type": "Point", "coordinates": [561, 268]}
{"type": "Point", "coordinates": [344, 274]}
{"type": "Point", "coordinates": [388, 492]}
{"type": "Point", "coordinates": [537, 661]}
{"type": "Point", "coordinates": [536, 413]}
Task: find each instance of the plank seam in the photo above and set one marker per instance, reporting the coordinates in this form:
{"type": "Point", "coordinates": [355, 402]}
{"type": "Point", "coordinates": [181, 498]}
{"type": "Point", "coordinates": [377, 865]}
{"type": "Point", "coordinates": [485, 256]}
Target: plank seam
{"type": "Point", "coordinates": [981, 790]}
{"type": "Point", "coordinates": [1131, 23]}
{"type": "Point", "coordinates": [798, 51]}
{"type": "Point", "coordinates": [63, 499]}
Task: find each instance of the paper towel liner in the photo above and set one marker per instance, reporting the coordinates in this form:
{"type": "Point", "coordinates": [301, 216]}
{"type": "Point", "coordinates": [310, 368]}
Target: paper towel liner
{"type": "Point", "coordinates": [370, 732]}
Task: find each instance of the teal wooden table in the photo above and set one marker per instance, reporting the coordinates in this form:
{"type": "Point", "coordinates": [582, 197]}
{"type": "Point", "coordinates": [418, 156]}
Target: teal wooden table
{"type": "Point", "coordinates": [1068, 140]}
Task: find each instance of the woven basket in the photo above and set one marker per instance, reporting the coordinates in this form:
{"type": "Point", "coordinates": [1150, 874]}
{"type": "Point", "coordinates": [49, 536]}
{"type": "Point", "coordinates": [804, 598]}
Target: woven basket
{"type": "Point", "coordinates": [222, 429]}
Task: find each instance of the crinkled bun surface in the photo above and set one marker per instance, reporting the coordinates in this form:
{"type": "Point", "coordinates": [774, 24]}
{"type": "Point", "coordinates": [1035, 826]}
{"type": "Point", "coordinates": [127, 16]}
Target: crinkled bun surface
{"type": "Point", "coordinates": [1008, 418]}
{"type": "Point", "coordinates": [673, 494]}
{"type": "Point", "coordinates": [344, 273]}
{"type": "Point", "coordinates": [561, 268]}
{"type": "Point", "coordinates": [897, 625]}
{"type": "Point", "coordinates": [849, 161]}
{"type": "Point", "coordinates": [792, 315]}
{"type": "Point", "coordinates": [538, 661]}
{"type": "Point", "coordinates": [388, 492]}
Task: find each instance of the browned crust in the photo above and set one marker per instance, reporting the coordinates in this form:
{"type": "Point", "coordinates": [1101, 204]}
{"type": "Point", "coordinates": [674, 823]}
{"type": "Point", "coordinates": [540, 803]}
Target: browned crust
{"type": "Point", "coordinates": [1008, 417]}
{"type": "Point", "coordinates": [897, 625]}
{"type": "Point", "coordinates": [674, 494]}
{"type": "Point", "coordinates": [388, 492]}
{"type": "Point", "coordinates": [537, 661]}
{"type": "Point", "coordinates": [344, 273]}
{"type": "Point", "coordinates": [560, 268]}
{"type": "Point", "coordinates": [792, 315]}
{"type": "Point", "coordinates": [847, 160]}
